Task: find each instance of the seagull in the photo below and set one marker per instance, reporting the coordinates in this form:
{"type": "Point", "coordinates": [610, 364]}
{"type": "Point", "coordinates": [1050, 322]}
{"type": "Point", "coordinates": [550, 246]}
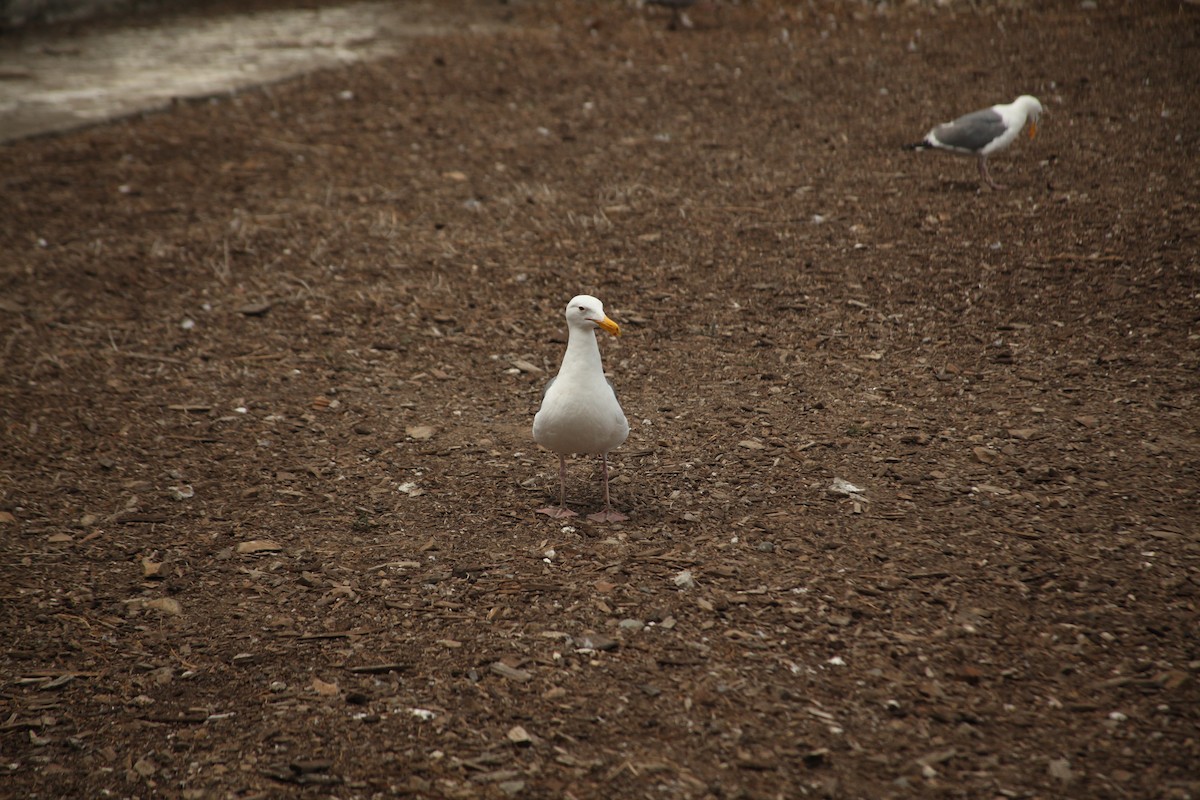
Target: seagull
{"type": "Point", "coordinates": [983, 132]}
{"type": "Point", "coordinates": [580, 412]}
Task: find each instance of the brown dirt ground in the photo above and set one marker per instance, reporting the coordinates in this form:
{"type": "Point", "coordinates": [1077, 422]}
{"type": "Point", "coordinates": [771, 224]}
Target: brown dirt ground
{"type": "Point", "coordinates": [1010, 610]}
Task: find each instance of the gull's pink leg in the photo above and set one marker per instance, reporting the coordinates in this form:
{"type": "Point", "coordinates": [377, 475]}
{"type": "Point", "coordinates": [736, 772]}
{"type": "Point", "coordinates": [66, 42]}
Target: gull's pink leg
{"type": "Point", "coordinates": [607, 515]}
{"type": "Point", "coordinates": [983, 170]}
{"type": "Point", "coordinates": [561, 512]}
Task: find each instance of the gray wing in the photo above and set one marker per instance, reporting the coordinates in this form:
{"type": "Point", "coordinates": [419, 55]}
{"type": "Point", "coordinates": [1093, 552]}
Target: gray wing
{"type": "Point", "coordinates": [972, 132]}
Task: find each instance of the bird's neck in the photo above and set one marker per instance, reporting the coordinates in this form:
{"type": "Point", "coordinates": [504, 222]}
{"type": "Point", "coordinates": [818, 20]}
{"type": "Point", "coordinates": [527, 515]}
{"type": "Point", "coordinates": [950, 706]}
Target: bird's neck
{"type": "Point", "coordinates": [583, 354]}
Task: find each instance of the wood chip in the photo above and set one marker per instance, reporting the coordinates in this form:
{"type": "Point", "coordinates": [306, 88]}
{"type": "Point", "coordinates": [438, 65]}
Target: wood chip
{"type": "Point", "coordinates": [167, 605]}
{"type": "Point", "coordinates": [985, 455]}
{"type": "Point", "coordinates": [512, 673]}
{"type": "Point", "coordinates": [526, 366]}
{"type": "Point", "coordinates": [596, 641]}
{"type": "Point", "coordinates": [379, 669]}
{"type": "Point", "coordinates": [61, 680]}
{"type": "Point", "coordinates": [255, 309]}
{"type": "Point", "coordinates": [1174, 679]}
{"type": "Point", "coordinates": [259, 546]}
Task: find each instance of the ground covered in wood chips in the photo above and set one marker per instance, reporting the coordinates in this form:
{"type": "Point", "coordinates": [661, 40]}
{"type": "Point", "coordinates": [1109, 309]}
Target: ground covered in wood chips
{"type": "Point", "coordinates": [270, 363]}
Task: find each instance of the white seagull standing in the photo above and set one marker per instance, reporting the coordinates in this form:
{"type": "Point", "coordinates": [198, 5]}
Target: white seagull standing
{"type": "Point", "coordinates": [580, 412]}
{"type": "Point", "coordinates": [983, 132]}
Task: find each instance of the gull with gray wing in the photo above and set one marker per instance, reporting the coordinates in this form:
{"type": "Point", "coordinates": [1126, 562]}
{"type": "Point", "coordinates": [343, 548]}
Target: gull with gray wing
{"type": "Point", "coordinates": [984, 132]}
{"type": "Point", "coordinates": [580, 412]}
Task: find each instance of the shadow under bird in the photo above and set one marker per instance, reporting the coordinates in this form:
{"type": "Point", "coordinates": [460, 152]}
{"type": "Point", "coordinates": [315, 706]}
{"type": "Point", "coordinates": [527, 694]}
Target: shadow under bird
{"type": "Point", "coordinates": [580, 413]}
{"type": "Point", "coordinates": [984, 132]}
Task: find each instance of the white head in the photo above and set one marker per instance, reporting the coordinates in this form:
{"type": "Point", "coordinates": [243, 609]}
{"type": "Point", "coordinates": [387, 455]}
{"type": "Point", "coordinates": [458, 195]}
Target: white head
{"type": "Point", "coordinates": [587, 313]}
{"type": "Point", "coordinates": [1033, 110]}
{"type": "Point", "coordinates": [1032, 106]}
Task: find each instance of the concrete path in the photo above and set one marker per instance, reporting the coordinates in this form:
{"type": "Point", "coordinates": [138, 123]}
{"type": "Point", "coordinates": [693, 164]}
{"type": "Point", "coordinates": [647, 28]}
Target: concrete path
{"type": "Point", "coordinates": [60, 79]}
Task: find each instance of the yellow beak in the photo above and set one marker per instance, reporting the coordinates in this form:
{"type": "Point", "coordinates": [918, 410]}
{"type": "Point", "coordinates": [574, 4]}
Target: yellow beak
{"type": "Point", "coordinates": [610, 326]}
{"type": "Point", "coordinates": [1032, 128]}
